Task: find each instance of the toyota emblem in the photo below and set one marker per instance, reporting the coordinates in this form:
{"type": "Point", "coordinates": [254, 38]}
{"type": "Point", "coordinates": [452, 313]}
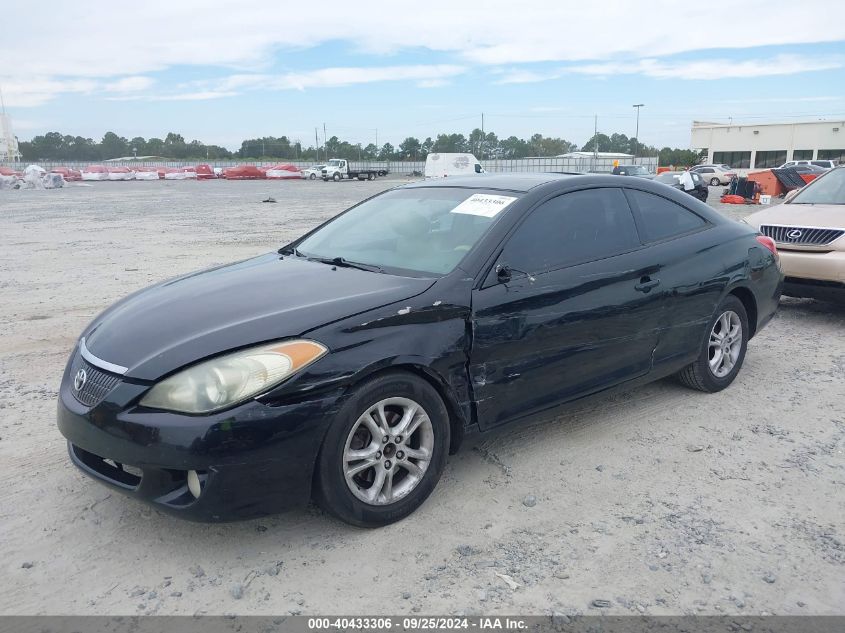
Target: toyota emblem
{"type": "Point", "coordinates": [794, 234]}
{"type": "Point", "coordinates": [79, 380]}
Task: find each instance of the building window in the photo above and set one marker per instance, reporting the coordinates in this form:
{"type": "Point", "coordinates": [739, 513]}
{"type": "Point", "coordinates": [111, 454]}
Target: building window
{"type": "Point", "coordinates": [770, 159]}
{"type": "Point", "coordinates": [802, 154]}
{"type": "Point", "coordinates": [832, 154]}
{"type": "Point", "coordinates": [737, 160]}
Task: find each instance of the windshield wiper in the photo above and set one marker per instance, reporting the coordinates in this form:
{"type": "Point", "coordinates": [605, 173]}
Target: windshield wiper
{"type": "Point", "coordinates": [345, 263]}
{"type": "Point", "coordinates": [289, 250]}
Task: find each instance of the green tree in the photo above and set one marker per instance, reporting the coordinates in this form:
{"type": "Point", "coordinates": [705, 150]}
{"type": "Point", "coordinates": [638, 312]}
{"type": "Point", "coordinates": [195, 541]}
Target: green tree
{"type": "Point", "coordinates": [409, 149]}
{"type": "Point", "coordinates": [113, 146]}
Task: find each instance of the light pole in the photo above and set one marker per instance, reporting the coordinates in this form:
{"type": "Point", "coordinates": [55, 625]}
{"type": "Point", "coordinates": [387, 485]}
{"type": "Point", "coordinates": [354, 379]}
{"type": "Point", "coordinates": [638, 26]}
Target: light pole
{"type": "Point", "coordinates": [637, 133]}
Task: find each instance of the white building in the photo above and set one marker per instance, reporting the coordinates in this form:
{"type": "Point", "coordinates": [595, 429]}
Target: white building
{"type": "Point", "coordinates": [762, 145]}
{"type": "Point", "coordinates": [8, 143]}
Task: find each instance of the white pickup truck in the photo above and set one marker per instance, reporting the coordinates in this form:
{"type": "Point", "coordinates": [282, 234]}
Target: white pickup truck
{"type": "Point", "coordinates": [338, 169]}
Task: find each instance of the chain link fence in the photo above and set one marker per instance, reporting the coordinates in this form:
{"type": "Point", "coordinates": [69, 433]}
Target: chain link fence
{"type": "Point", "coordinates": [586, 164]}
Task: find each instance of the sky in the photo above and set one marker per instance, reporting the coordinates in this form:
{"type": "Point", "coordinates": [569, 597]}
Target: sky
{"type": "Point", "coordinates": [371, 72]}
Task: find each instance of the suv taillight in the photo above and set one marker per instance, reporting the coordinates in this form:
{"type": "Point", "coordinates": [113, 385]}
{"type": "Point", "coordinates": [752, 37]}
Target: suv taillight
{"type": "Point", "coordinates": [768, 243]}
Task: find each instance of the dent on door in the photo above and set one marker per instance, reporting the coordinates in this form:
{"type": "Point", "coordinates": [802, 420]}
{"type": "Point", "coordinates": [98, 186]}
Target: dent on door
{"type": "Point", "coordinates": [565, 334]}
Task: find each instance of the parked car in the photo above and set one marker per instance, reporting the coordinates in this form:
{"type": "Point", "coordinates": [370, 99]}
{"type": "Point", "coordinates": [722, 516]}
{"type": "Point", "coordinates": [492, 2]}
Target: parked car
{"type": "Point", "coordinates": [809, 229]}
{"type": "Point", "coordinates": [632, 170]}
{"type": "Point", "coordinates": [715, 175]}
{"type": "Point", "coordinates": [67, 173]}
{"type": "Point", "coordinates": [675, 179]}
{"type": "Point", "coordinates": [284, 171]}
{"type": "Point", "coordinates": [244, 172]}
{"type": "Point", "coordinates": [314, 172]}
{"type": "Point", "coordinates": [95, 172]}
{"type": "Point", "coordinates": [809, 169]}
{"type": "Point", "coordinates": [824, 164]}
{"type": "Point", "coordinates": [352, 362]}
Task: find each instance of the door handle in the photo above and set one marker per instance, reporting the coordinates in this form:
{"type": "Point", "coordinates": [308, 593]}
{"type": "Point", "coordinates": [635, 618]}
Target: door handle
{"type": "Point", "coordinates": [646, 284]}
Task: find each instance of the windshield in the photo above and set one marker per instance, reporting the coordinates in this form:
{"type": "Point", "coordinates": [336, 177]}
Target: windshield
{"type": "Point", "coordinates": [827, 189]}
{"type": "Point", "coordinates": [334, 163]}
{"type": "Point", "coordinates": [425, 230]}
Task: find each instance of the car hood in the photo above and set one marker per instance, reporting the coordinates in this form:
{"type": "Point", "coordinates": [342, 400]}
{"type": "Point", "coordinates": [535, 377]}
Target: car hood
{"type": "Point", "coordinates": [162, 328]}
{"type": "Point", "coordinates": [823, 216]}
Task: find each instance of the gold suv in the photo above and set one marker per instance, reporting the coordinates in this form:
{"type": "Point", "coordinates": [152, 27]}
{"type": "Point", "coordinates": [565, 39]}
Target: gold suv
{"type": "Point", "coordinates": [809, 230]}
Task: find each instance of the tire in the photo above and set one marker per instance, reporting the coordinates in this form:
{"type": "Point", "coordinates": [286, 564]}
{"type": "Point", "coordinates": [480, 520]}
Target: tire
{"type": "Point", "coordinates": [336, 177]}
{"type": "Point", "coordinates": [371, 176]}
{"type": "Point", "coordinates": [701, 374]}
{"type": "Point", "coordinates": [715, 182]}
{"type": "Point", "coordinates": [312, 177]}
{"type": "Point", "coordinates": [353, 431]}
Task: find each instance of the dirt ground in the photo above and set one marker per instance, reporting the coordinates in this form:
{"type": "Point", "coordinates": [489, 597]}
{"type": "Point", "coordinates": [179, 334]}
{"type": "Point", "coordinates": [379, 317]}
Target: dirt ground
{"type": "Point", "coordinates": [661, 500]}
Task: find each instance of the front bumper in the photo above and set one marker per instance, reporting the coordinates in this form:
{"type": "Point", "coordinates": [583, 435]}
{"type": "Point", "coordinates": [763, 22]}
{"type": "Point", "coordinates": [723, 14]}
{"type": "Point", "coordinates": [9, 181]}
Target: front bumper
{"type": "Point", "coordinates": [816, 265]}
{"type": "Point", "coordinates": [252, 460]}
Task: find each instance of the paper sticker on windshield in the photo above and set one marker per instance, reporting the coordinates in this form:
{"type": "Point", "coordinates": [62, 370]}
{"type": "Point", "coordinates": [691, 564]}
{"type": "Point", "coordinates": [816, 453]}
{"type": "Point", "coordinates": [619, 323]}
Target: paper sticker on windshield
{"type": "Point", "coordinates": [483, 204]}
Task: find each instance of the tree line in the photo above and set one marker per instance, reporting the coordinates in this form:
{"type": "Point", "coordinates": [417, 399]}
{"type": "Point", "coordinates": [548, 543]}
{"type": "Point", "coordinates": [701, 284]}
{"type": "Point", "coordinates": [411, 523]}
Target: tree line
{"type": "Point", "coordinates": [55, 146]}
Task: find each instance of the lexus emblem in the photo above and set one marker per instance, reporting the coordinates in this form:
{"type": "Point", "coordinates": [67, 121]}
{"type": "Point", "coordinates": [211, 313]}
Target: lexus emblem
{"type": "Point", "coordinates": [79, 380]}
{"type": "Point", "coordinates": [794, 234]}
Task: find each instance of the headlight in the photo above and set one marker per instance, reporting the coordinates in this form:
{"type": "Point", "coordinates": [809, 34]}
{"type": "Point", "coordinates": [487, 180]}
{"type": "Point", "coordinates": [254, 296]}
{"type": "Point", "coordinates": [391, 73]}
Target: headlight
{"type": "Point", "coordinates": [226, 380]}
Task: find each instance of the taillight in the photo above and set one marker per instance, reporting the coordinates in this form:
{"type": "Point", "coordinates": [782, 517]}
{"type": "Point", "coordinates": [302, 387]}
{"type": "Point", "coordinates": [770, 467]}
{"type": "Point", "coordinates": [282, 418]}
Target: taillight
{"type": "Point", "coordinates": [768, 243]}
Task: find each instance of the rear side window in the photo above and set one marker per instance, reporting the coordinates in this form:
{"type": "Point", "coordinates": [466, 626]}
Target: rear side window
{"type": "Point", "coordinates": [571, 229]}
{"type": "Point", "coordinates": [660, 218]}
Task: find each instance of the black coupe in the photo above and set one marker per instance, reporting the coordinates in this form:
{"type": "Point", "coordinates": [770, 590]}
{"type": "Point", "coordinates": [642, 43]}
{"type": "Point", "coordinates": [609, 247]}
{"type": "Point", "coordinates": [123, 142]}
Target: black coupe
{"type": "Point", "coordinates": [348, 365]}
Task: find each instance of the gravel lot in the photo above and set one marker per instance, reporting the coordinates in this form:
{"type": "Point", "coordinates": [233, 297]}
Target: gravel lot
{"type": "Point", "coordinates": [661, 500]}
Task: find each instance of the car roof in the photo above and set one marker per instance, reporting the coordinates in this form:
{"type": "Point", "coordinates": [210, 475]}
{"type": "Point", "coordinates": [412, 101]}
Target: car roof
{"type": "Point", "coordinates": [507, 181]}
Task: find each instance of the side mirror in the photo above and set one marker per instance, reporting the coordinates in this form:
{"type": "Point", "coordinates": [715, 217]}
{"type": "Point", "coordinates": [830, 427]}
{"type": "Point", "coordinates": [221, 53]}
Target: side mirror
{"type": "Point", "coordinates": [791, 194]}
{"type": "Point", "coordinates": [503, 273]}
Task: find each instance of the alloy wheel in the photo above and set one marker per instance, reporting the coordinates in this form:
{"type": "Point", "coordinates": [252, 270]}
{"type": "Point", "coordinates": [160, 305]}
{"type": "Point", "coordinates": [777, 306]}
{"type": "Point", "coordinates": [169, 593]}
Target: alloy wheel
{"type": "Point", "coordinates": [725, 344]}
{"type": "Point", "coordinates": [388, 450]}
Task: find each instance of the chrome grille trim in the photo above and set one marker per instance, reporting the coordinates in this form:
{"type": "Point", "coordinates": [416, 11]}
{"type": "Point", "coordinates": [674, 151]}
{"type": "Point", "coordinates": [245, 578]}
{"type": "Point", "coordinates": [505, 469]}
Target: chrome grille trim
{"type": "Point", "coordinates": [98, 384]}
{"type": "Point", "coordinates": [810, 235]}
{"type": "Point", "coordinates": [99, 362]}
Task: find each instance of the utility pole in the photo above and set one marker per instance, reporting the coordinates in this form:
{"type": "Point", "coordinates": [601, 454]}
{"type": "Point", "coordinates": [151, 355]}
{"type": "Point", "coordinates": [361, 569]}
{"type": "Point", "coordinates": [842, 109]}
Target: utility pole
{"type": "Point", "coordinates": [317, 144]}
{"type": "Point", "coordinates": [481, 145]}
{"type": "Point", "coordinates": [325, 145]}
{"type": "Point", "coordinates": [637, 133]}
{"type": "Point", "coordinates": [595, 141]}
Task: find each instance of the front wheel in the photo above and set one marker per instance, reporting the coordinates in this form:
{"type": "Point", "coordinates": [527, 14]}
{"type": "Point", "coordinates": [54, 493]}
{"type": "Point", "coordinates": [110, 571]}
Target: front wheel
{"type": "Point", "coordinates": [384, 452]}
{"type": "Point", "coordinates": [714, 182]}
{"type": "Point", "coordinates": [312, 177]}
{"type": "Point", "coordinates": [336, 177]}
{"type": "Point", "coordinates": [722, 351]}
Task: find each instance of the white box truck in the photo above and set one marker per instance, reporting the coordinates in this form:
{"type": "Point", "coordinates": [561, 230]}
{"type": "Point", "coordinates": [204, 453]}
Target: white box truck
{"type": "Point", "coordinates": [438, 165]}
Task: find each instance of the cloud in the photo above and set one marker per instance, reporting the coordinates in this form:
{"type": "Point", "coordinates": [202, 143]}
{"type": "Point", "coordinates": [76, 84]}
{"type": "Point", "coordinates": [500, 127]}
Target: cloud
{"type": "Point", "coordinates": [338, 77]}
{"type": "Point", "coordinates": [526, 76]}
{"type": "Point", "coordinates": [709, 69]}
{"type": "Point", "coordinates": [211, 33]}
{"type": "Point", "coordinates": [248, 42]}
{"type": "Point", "coordinates": [130, 84]}
{"type": "Point", "coordinates": [187, 96]}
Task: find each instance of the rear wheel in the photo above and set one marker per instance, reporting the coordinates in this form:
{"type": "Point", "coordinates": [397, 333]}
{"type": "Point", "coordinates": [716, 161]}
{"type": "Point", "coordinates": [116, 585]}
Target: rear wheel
{"type": "Point", "coordinates": [722, 351]}
{"type": "Point", "coordinates": [312, 177]}
{"type": "Point", "coordinates": [371, 176]}
{"type": "Point", "coordinates": [384, 452]}
{"type": "Point", "coordinates": [714, 182]}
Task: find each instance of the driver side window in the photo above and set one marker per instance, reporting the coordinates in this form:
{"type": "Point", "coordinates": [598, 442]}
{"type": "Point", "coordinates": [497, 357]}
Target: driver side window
{"type": "Point", "coordinates": [570, 229]}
